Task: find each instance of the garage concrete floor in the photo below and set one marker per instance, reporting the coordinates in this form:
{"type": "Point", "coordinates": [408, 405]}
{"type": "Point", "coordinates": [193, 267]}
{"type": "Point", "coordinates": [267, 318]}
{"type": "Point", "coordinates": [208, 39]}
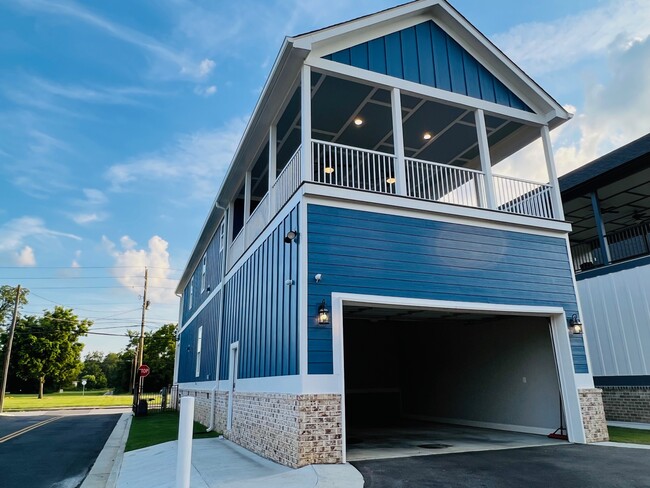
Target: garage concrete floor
{"type": "Point", "coordinates": [410, 439]}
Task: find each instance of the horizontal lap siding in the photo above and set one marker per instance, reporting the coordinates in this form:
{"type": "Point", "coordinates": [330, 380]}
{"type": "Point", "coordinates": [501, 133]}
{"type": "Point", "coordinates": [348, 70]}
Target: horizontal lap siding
{"type": "Point", "coordinates": [378, 254]}
{"type": "Point", "coordinates": [209, 319]}
{"type": "Point", "coordinates": [427, 55]}
{"type": "Point", "coordinates": [261, 310]}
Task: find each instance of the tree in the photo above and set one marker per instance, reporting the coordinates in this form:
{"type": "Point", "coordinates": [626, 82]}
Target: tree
{"type": "Point", "coordinates": [93, 371]}
{"type": "Point", "coordinates": [7, 300]}
{"type": "Point", "coordinates": [159, 350]}
{"type": "Point", "coordinates": [47, 347]}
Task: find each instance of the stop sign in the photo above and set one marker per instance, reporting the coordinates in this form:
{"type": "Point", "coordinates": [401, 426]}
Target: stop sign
{"type": "Point", "coordinates": [144, 370]}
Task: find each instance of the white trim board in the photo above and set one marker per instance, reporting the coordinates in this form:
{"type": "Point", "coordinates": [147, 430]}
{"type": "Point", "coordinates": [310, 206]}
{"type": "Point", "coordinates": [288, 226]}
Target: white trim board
{"type": "Point", "coordinates": [422, 209]}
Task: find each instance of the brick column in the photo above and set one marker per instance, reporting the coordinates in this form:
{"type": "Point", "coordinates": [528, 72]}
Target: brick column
{"type": "Point", "coordinates": [593, 415]}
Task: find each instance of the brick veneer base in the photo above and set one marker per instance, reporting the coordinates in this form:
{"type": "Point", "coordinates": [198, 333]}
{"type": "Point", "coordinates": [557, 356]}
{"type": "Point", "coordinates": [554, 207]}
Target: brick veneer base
{"type": "Point", "coordinates": [627, 403]}
{"type": "Point", "coordinates": [294, 430]}
{"type": "Point", "coordinates": [593, 415]}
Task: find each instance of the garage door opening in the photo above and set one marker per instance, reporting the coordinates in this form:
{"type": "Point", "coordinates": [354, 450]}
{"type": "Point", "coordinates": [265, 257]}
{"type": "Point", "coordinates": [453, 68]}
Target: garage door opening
{"type": "Point", "coordinates": [425, 382]}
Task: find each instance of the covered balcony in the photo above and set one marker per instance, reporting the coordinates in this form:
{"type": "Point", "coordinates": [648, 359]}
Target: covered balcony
{"type": "Point", "coordinates": [608, 204]}
{"type": "Point", "coordinates": [356, 135]}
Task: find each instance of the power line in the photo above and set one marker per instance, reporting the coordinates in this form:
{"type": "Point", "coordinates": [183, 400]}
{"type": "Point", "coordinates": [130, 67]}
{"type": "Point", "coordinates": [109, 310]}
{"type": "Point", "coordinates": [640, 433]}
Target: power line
{"type": "Point", "coordinates": [88, 267]}
{"type": "Point", "coordinates": [79, 277]}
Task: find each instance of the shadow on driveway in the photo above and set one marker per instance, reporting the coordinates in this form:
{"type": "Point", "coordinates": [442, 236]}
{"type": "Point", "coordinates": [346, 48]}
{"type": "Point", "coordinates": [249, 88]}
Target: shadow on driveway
{"type": "Point", "coordinates": [572, 466]}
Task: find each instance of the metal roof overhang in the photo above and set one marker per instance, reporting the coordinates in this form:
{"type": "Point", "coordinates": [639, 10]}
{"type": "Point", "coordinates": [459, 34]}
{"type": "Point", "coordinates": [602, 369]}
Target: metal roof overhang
{"type": "Point", "coordinates": [274, 94]}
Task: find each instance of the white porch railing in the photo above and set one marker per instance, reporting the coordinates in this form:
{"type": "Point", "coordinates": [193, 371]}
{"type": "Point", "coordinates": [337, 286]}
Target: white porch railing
{"type": "Point", "coordinates": [257, 220]}
{"type": "Point", "coordinates": [237, 248]}
{"type": "Point", "coordinates": [350, 167]}
{"type": "Point", "coordinates": [286, 183]}
{"type": "Point", "coordinates": [443, 183]}
{"type": "Point", "coordinates": [515, 195]}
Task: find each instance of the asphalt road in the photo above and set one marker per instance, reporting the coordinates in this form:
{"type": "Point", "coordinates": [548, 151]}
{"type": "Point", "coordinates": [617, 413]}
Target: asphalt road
{"type": "Point", "coordinates": [570, 466]}
{"type": "Point", "coordinates": [54, 450]}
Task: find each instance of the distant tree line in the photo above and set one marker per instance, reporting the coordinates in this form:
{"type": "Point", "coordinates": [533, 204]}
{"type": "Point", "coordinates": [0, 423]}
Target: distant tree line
{"type": "Point", "coordinates": [46, 352]}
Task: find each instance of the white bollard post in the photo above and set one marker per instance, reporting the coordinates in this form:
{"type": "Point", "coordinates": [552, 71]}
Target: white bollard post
{"type": "Point", "coordinates": [185, 428]}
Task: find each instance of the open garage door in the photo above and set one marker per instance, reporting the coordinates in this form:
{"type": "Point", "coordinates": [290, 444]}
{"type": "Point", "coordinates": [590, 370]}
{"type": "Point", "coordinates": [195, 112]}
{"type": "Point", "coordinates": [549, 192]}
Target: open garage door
{"type": "Point", "coordinates": [422, 380]}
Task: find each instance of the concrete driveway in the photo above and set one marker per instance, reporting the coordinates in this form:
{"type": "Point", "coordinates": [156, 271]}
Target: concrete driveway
{"type": "Point", "coordinates": [572, 465]}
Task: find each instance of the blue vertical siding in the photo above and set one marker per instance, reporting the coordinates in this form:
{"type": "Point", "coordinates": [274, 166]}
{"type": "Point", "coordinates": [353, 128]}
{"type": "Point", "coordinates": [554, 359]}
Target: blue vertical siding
{"type": "Point", "coordinates": [213, 278]}
{"type": "Point", "coordinates": [209, 319]}
{"type": "Point", "coordinates": [261, 310]}
{"type": "Point", "coordinates": [427, 55]}
{"type": "Point", "coordinates": [389, 255]}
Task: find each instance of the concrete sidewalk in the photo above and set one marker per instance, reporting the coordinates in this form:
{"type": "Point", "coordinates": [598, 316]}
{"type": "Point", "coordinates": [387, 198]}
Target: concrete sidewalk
{"type": "Point", "coordinates": [217, 462]}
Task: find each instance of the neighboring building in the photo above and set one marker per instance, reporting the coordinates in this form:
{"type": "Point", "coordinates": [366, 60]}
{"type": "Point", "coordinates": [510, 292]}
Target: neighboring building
{"type": "Point", "coordinates": [361, 263]}
{"type": "Point", "coordinates": [608, 203]}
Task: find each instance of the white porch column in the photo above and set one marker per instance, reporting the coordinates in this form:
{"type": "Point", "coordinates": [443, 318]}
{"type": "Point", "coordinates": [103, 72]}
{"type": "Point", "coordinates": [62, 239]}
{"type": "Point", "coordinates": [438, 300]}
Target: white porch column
{"type": "Point", "coordinates": [305, 123]}
{"type": "Point", "coordinates": [247, 204]}
{"type": "Point", "coordinates": [273, 168]}
{"type": "Point", "coordinates": [398, 142]}
{"type": "Point", "coordinates": [556, 196]}
{"type": "Point", "coordinates": [486, 163]}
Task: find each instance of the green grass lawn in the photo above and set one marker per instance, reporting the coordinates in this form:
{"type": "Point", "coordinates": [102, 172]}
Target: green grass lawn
{"type": "Point", "coordinates": [157, 428]}
{"type": "Point", "coordinates": [633, 436]}
{"type": "Point", "coordinates": [66, 399]}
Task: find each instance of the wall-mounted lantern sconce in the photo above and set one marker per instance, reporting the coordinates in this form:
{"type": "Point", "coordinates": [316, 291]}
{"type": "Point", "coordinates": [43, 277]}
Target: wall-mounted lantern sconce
{"type": "Point", "coordinates": [323, 314]}
{"type": "Point", "coordinates": [575, 326]}
{"type": "Point", "coordinates": [291, 236]}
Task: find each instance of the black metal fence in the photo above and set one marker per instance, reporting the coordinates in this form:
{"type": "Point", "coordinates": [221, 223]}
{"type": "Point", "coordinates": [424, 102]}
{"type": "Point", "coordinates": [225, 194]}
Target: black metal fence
{"type": "Point", "coordinates": [154, 402]}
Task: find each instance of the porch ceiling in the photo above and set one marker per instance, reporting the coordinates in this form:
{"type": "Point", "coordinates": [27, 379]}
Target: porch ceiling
{"type": "Point", "coordinates": [624, 202]}
{"type": "Point", "coordinates": [433, 131]}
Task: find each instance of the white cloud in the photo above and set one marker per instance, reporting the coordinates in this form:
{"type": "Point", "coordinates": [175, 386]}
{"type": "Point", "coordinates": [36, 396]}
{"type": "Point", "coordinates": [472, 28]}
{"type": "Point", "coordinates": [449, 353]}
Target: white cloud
{"type": "Point", "coordinates": [15, 232]}
{"type": "Point", "coordinates": [127, 243]}
{"type": "Point", "coordinates": [615, 112]}
{"type": "Point", "coordinates": [205, 67]}
{"type": "Point", "coordinates": [541, 47]}
{"type": "Point", "coordinates": [156, 257]}
{"type": "Point", "coordinates": [184, 64]}
{"type": "Point", "coordinates": [94, 197]}
{"type": "Point", "coordinates": [26, 257]}
{"type": "Point", "coordinates": [207, 91]}
{"type": "Point", "coordinates": [195, 162]}
{"type": "Point", "coordinates": [87, 218]}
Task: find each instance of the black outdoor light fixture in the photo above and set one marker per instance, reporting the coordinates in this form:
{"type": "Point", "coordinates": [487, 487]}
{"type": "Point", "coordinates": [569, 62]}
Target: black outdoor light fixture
{"type": "Point", "coordinates": [575, 326]}
{"type": "Point", "coordinates": [291, 236]}
{"type": "Point", "coordinates": [323, 314]}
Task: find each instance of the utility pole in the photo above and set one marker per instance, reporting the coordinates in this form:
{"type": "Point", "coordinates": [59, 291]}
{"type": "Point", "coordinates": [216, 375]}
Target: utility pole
{"type": "Point", "coordinates": [8, 350]}
{"type": "Point", "coordinates": [145, 305]}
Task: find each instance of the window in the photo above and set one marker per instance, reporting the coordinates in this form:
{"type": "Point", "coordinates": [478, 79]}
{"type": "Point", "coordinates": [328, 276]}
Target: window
{"type": "Point", "coordinates": [189, 300]}
{"type": "Point", "coordinates": [199, 338]}
{"type": "Point", "coordinates": [222, 236]}
{"type": "Point", "coordinates": [204, 268]}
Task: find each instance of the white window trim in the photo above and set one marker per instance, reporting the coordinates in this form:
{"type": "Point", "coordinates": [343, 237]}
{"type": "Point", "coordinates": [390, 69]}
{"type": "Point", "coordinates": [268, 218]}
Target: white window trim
{"type": "Point", "coordinates": [199, 340]}
{"type": "Point", "coordinates": [204, 267]}
{"type": "Point", "coordinates": [189, 301]}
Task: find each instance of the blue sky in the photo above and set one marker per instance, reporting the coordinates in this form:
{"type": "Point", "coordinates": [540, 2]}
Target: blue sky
{"type": "Point", "coordinates": [118, 119]}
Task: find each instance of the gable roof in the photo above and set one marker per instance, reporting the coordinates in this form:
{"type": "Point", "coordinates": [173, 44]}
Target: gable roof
{"type": "Point", "coordinates": [294, 52]}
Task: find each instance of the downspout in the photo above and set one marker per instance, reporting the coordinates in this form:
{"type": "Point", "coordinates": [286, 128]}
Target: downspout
{"type": "Point", "coordinates": [213, 397]}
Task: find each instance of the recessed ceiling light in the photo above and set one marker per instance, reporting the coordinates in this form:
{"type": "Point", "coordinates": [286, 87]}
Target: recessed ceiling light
{"type": "Point", "coordinates": [427, 136]}
{"type": "Point", "coordinates": [390, 180]}
{"type": "Point", "coordinates": [329, 170]}
{"type": "Point", "coordinates": [358, 121]}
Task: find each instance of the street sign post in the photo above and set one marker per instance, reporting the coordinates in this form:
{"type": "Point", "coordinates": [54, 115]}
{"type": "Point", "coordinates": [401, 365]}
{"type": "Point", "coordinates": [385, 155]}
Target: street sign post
{"type": "Point", "coordinates": [83, 385]}
{"type": "Point", "coordinates": [144, 370]}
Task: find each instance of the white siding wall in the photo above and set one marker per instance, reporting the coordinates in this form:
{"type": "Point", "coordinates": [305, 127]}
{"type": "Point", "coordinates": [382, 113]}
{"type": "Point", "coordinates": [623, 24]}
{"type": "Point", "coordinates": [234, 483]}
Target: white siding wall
{"type": "Point", "coordinates": [616, 310]}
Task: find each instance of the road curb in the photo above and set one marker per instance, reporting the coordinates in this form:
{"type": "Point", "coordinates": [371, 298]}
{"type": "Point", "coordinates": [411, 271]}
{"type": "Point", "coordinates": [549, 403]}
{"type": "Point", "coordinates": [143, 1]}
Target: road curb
{"type": "Point", "coordinates": [106, 469]}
